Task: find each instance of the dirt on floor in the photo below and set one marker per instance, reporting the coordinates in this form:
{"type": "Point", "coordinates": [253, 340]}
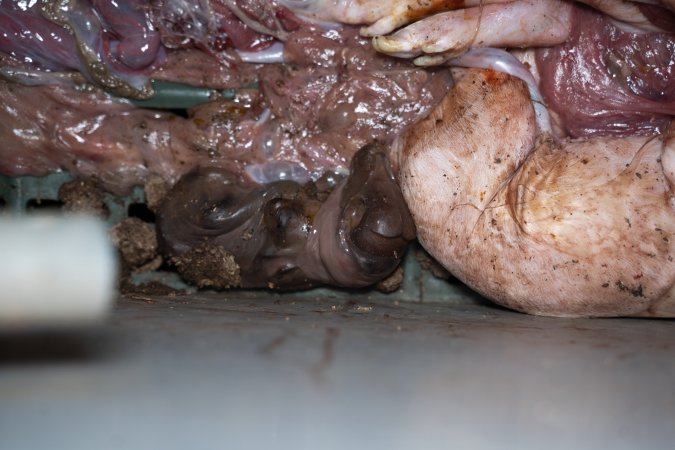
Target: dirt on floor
{"type": "Point", "coordinates": [83, 196]}
{"type": "Point", "coordinates": [208, 267]}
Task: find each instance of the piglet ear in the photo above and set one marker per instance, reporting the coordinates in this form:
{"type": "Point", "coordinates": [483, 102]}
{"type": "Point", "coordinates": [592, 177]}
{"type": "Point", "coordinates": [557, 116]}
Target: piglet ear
{"type": "Point", "coordinates": [220, 232]}
{"type": "Point", "coordinates": [375, 224]}
{"type": "Point", "coordinates": [204, 204]}
{"type": "Point", "coordinates": [282, 233]}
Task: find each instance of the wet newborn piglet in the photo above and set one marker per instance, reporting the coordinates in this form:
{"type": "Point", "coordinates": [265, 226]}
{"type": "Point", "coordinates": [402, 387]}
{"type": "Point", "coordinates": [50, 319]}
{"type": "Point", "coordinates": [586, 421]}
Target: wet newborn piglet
{"type": "Point", "coordinates": [348, 232]}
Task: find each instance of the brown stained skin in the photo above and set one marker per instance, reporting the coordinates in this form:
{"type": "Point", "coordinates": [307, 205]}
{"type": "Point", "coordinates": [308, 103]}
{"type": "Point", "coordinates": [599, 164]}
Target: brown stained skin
{"type": "Point", "coordinates": [428, 7]}
{"type": "Point", "coordinates": [581, 228]}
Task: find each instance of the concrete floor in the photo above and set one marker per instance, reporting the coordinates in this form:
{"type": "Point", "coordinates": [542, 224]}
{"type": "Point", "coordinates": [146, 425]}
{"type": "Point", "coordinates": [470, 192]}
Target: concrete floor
{"type": "Point", "coordinates": [209, 372]}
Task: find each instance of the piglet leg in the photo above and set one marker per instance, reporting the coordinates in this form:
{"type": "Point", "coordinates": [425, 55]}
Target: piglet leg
{"type": "Point", "coordinates": [576, 228]}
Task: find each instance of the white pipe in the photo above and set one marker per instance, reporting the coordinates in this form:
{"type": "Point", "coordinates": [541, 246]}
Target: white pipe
{"type": "Point", "coordinates": [55, 271]}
